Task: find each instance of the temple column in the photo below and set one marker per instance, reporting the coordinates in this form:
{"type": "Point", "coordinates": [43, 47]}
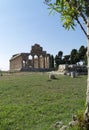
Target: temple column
{"type": "Point", "coordinates": [32, 61]}
{"type": "Point", "coordinates": [25, 63]}
{"type": "Point", "coordinates": [38, 61]}
{"type": "Point", "coordinates": [46, 61]}
{"type": "Point", "coordinates": [43, 61]}
{"type": "Point", "coordinates": [22, 63]}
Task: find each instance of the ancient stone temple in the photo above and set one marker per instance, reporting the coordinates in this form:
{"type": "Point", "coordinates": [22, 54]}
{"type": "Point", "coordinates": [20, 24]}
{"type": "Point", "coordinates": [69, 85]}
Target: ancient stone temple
{"type": "Point", "coordinates": [37, 59]}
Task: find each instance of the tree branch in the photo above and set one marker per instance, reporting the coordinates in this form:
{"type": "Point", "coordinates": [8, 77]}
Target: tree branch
{"type": "Point", "coordinates": [82, 27]}
{"type": "Point", "coordinates": [83, 17]}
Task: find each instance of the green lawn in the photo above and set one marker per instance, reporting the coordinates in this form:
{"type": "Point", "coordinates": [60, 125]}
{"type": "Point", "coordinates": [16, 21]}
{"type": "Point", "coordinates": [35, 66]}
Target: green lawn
{"type": "Point", "coordinates": [30, 101]}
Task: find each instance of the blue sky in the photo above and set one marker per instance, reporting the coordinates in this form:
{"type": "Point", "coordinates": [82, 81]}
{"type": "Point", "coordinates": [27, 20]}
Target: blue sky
{"type": "Point", "coordinates": [26, 22]}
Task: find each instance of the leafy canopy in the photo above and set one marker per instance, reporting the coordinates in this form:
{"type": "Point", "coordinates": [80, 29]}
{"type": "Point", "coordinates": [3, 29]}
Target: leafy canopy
{"type": "Point", "coordinates": [70, 11]}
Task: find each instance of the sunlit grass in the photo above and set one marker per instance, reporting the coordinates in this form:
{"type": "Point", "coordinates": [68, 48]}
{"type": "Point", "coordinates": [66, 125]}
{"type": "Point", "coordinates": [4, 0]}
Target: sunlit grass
{"type": "Point", "coordinates": [30, 101]}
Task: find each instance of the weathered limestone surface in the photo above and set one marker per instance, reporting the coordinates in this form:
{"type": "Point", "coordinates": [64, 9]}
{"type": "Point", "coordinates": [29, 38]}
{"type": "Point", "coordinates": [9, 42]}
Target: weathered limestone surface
{"type": "Point", "coordinates": [39, 60]}
{"type": "Point", "coordinates": [70, 69]}
{"type": "Point", "coordinates": [18, 61]}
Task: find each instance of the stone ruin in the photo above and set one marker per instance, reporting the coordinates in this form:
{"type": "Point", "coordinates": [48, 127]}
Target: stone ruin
{"type": "Point", "coordinates": [36, 60]}
{"type": "Point", "coordinates": [68, 69]}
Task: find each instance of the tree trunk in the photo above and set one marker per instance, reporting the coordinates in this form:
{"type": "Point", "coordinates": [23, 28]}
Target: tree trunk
{"type": "Point", "coordinates": [86, 114]}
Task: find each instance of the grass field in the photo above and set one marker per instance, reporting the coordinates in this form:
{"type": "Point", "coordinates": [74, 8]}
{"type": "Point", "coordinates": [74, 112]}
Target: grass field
{"type": "Point", "coordinates": [30, 101]}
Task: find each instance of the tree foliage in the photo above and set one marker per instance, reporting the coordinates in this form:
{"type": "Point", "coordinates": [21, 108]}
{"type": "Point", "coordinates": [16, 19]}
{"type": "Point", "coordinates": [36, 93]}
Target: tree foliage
{"type": "Point", "coordinates": [75, 56]}
{"type": "Point", "coordinates": [60, 54]}
{"type": "Point", "coordinates": [52, 61]}
{"type": "Point", "coordinates": [66, 59]}
{"type": "Point", "coordinates": [82, 53]}
{"type": "Point", "coordinates": [70, 11]}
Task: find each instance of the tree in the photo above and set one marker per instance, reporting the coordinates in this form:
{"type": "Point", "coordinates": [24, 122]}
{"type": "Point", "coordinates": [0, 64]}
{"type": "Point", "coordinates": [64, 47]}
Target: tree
{"type": "Point", "coordinates": [74, 56]}
{"type": "Point", "coordinates": [58, 58]}
{"type": "Point", "coordinates": [52, 61]}
{"type": "Point", "coordinates": [57, 61]}
{"type": "Point", "coordinates": [82, 53]}
{"type": "Point", "coordinates": [85, 58]}
{"type": "Point", "coordinates": [60, 54]}
{"type": "Point", "coordinates": [70, 13]}
{"type": "Point", "coordinates": [66, 59]}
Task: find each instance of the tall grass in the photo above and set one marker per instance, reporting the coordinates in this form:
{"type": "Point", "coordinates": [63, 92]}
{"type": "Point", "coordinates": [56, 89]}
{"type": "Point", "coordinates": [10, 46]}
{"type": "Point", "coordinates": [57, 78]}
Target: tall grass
{"type": "Point", "coordinates": [30, 101]}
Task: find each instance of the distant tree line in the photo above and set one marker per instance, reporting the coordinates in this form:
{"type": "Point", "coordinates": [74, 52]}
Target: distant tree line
{"type": "Point", "coordinates": [75, 57]}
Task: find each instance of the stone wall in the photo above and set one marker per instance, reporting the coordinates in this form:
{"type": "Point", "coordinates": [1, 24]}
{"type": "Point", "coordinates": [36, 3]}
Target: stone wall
{"type": "Point", "coordinates": [16, 63]}
{"type": "Point", "coordinates": [65, 68]}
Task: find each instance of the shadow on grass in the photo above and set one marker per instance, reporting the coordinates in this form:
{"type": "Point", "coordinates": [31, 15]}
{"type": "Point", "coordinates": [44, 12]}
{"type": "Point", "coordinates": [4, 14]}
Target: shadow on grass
{"type": "Point", "coordinates": [52, 79]}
